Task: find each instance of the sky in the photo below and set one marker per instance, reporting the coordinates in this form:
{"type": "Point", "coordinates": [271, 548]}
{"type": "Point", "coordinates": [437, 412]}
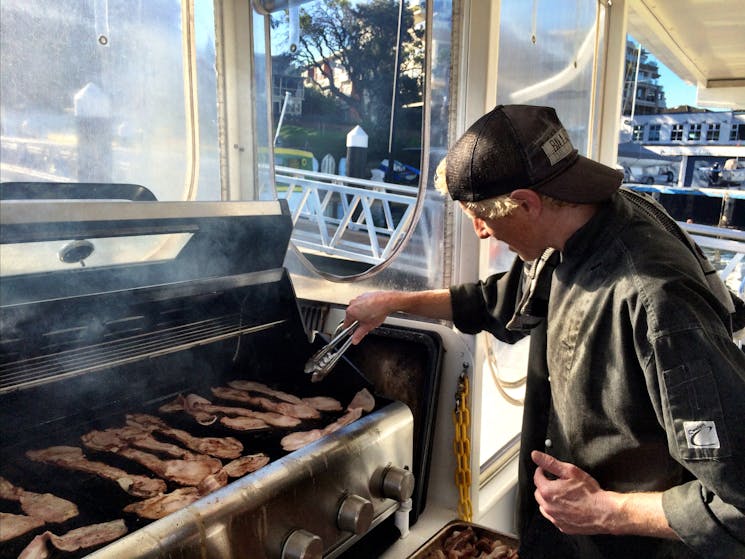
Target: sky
{"type": "Point", "coordinates": [677, 92]}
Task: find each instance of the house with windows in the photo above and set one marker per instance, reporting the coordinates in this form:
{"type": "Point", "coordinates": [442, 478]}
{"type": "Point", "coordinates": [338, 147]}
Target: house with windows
{"type": "Point", "coordinates": [642, 93]}
{"type": "Point", "coordinates": [704, 141]}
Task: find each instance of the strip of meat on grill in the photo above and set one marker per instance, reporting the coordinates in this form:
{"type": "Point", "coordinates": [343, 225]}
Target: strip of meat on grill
{"type": "Point", "coordinates": [72, 458]}
{"type": "Point", "coordinates": [45, 506]}
{"type": "Point", "coordinates": [184, 472]}
{"type": "Point", "coordinates": [275, 419]}
{"type": "Point", "coordinates": [246, 464]}
{"type": "Point", "coordinates": [219, 447]}
{"type": "Point", "coordinates": [80, 538]}
{"type": "Point", "coordinates": [163, 505]}
{"type": "Point", "coordinates": [14, 525]}
{"type": "Point", "coordinates": [190, 405]}
{"type": "Point", "coordinates": [238, 418]}
{"type": "Point", "coordinates": [363, 401]}
{"type": "Point", "coordinates": [252, 386]}
{"type": "Point", "coordinates": [236, 468]}
{"type": "Point", "coordinates": [300, 411]}
{"type": "Point", "coordinates": [321, 403]}
{"type": "Point", "coordinates": [201, 417]}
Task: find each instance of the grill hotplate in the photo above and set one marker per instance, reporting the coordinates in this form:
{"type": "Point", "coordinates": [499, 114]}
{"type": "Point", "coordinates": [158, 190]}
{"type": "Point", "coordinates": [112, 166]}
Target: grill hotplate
{"type": "Point", "coordinates": [83, 346]}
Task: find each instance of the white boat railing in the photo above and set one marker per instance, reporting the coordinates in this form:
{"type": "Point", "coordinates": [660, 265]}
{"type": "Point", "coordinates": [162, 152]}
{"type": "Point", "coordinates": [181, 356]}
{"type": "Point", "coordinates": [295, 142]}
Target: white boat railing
{"type": "Point", "coordinates": [357, 219]}
{"type": "Point", "coordinates": [725, 248]}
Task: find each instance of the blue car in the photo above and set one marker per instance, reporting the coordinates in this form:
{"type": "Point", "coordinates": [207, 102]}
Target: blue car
{"type": "Point", "coordinates": [402, 173]}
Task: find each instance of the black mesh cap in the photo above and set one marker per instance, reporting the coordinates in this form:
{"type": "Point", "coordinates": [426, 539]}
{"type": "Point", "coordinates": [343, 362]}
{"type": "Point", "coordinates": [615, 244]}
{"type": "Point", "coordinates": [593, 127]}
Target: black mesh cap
{"type": "Point", "coordinates": [524, 146]}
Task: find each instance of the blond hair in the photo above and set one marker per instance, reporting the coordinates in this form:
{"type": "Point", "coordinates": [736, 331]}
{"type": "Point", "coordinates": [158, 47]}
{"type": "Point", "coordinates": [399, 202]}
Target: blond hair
{"type": "Point", "coordinates": [491, 208]}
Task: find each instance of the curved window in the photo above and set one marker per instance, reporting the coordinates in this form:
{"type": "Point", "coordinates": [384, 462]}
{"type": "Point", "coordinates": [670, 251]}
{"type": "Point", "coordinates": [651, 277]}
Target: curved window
{"type": "Point", "coordinates": [348, 96]}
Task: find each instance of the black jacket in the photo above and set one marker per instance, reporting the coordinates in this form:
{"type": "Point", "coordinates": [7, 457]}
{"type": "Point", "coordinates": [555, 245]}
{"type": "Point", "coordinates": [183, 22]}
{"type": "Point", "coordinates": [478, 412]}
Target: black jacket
{"type": "Point", "coordinates": [632, 376]}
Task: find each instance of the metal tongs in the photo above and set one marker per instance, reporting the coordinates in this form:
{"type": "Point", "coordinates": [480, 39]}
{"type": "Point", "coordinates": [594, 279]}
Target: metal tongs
{"type": "Point", "coordinates": [325, 358]}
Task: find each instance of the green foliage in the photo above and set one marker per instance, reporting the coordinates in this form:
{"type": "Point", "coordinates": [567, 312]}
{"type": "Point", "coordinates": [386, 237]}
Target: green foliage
{"type": "Point", "coordinates": [319, 141]}
{"type": "Point", "coordinates": [357, 41]}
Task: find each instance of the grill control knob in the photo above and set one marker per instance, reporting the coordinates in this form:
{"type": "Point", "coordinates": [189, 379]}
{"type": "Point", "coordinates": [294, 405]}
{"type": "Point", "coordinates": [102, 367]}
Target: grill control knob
{"type": "Point", "coordinates": [355, 515]}
{"type": "Point", "coordinates": [301, 544]}
{"type": "Point", "coordinates": [398, 484]}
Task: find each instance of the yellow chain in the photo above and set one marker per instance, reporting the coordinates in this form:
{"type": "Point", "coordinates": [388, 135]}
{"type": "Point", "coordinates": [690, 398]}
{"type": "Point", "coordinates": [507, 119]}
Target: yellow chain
{"type": "Point", "coordinates": [462, 448]}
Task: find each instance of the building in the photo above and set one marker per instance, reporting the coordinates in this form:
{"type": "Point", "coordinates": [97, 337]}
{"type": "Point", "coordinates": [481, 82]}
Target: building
{"type": "Point", "coordinates": [701, 139]}
{"type": "Point", "coordinates": [642, 95]}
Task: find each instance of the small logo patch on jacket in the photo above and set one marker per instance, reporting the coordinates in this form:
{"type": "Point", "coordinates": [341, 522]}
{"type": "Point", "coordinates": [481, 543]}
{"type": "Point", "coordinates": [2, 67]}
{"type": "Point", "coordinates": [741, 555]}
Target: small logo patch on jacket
{"type": "Point", "coordinates": [701, 434]}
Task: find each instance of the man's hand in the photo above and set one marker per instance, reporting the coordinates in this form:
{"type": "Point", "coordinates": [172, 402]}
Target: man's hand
{"type": "Point", "coordinates": [370, 309]}
{"type": "Point", "coordinates": [573, 502]}
{"type": "Point", "coordinates": [576, 504]}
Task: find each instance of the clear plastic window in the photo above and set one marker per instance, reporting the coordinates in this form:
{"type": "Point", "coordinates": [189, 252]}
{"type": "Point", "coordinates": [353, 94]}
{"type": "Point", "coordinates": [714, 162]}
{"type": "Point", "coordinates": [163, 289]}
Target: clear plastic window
{"type": "Point", "coordinates": [110, 91]}
{"type": "Point", "coordinates": [37, 257]}
{"type": "Point", "coordinates": [343, 106]}
{"type": "Point", "coordinates": [546, 57]}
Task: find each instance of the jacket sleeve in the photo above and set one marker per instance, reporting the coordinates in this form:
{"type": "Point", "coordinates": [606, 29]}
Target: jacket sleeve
{"type": "Point", "coordinates": [489, 304]}
{"type": "Point", "coordinates": [701, 375]}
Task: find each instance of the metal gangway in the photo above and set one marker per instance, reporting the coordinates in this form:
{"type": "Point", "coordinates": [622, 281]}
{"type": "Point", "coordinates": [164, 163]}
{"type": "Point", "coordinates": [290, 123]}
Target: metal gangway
{"type": "Point", "coordinates": [344, 217]}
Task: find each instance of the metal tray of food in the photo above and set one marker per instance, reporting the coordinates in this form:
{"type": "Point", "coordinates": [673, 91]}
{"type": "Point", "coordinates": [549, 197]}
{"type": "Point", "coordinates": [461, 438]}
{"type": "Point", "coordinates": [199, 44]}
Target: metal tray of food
{"type": "Point", "coordinates": [468, 540]}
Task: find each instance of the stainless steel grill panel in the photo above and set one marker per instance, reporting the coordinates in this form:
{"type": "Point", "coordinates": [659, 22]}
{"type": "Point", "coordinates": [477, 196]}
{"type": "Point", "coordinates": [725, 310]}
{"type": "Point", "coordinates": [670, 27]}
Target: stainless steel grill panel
{"type": "Point", "coordinates": [83, 347]}
{"type": "Point", "coordinates": [253, 516]}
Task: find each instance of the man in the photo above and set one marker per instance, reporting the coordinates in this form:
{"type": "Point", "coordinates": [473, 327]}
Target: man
{"type": "Point", "coordinates": [633, 437]}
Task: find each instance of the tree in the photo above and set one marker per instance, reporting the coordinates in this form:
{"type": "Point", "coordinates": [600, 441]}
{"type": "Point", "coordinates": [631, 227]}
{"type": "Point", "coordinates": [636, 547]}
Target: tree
{"type": "Point", "coordinates": [359, 40]}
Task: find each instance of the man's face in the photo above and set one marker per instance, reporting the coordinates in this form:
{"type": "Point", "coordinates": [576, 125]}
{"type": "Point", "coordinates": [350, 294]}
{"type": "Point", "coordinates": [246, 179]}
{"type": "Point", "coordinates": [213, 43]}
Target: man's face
{"type": "Point", "coordinates": [515, 229]}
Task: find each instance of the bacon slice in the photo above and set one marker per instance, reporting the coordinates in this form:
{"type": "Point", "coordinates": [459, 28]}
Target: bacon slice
{"type": "Point", "coordinates": [143, 439]}
{"type": "Point", "coordinates": [89, 536]}
{"type": "Point", "coordinates": [185, 472]}
{"type": "Point", "coordinates": [299, 439]}
{"type": "Point", "coordinates": [363, 401]}
{"type": "Point", "coordinates": [243, 423]}
{"type": "Point", "coordinates": [300, 411]}
{"type": "Point", "coordinates": [45, 506]}
{"type": "Point", "coordinates": [37, 548]}
{"type": "Point", "coordinates": [251, 386]}
{"type": "Point", "coordinates": [236, 468]}
{"type": "Point", "coordinates": [163, 505]}
{"type": "Point", "coordinates": [219, 447]}
{"type": "Point", "coordinates": [323, 403]}
{"type": "Point", "coordinates": [72, 458]}
{"type": "Point", "coordinates": [213, 482]}
{"type": "Point", "coordinates": [246, 464]}
{"type": "Point", "coordinates": [80, 538]}
{"type": "Point", "coordinates": [176, 405]}
{"type": "Point", "coordinates": [188, 405]}
{"type": "Point", "coordinates": [48, 507]}
{"type": "Point", "coordinates": [9, 491]}
{"type": "Point", "coordinates": [320, 403]}
{"type": "Point", "coordinates": [115, 439]}
{"type": "Point", "coordinates": [270, 418]}
{"type": "Point", "coordinates": [201, 409]}
{"type": "Point", "coordinates": [350, 416]}
{"type": "Point", "coordinates": [14, 525]}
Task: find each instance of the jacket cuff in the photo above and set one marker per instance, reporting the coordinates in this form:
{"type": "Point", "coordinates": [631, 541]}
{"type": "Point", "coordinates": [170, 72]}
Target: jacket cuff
{"type": "Point", "coordinates": [689, 513]}
{"type": "Point", "coordinates": [466, 308]}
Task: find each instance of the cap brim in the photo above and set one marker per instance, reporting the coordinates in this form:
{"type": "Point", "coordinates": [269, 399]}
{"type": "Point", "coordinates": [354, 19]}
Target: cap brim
{"type": "Point", "coordinates": [584, 182]}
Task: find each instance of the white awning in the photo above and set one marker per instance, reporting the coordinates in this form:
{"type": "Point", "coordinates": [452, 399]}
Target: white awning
{"type": "Point", "coordinates": [707, 151]}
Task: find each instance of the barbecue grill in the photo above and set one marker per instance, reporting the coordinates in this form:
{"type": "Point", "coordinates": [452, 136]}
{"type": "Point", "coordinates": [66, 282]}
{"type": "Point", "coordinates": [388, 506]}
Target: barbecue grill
{"type": "Point", "coordinates": [117, 308]}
